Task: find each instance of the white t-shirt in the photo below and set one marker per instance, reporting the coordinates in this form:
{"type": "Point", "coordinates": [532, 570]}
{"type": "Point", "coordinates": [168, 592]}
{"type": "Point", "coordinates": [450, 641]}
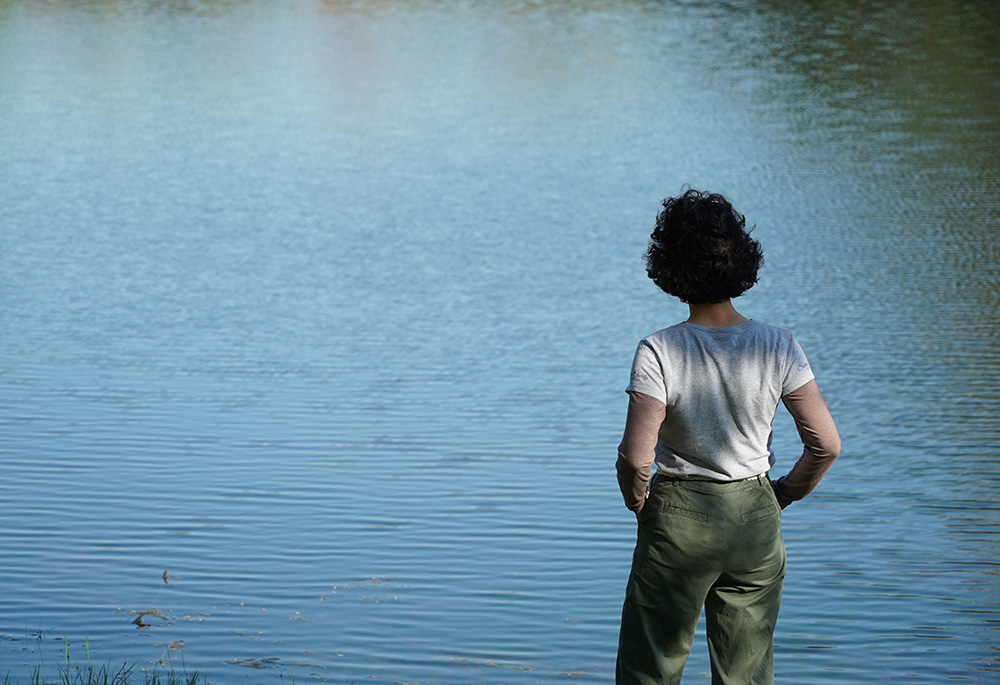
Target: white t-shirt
{"type": "Point", "coordinates": [721, 387]}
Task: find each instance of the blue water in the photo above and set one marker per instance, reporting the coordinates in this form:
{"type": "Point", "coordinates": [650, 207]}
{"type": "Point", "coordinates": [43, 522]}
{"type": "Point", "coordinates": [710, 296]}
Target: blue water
{"type": "Point", "coordinates": [315, 320]}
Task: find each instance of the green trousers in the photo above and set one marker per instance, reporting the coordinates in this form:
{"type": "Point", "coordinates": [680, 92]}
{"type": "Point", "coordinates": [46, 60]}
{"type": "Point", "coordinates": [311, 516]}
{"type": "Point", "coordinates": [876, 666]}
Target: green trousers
{"type": "Point", "coordinates": [712, 545]}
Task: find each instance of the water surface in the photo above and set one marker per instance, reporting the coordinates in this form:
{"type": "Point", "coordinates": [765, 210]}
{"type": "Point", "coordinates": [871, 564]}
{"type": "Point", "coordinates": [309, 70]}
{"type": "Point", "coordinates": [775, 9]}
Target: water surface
{"type": "Point", "coordinates": [315, 319]}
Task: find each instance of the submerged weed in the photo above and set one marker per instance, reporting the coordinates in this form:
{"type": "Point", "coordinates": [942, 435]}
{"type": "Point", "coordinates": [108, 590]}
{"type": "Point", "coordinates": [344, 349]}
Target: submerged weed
{"type": "Point", "coordinates": [105, 675]}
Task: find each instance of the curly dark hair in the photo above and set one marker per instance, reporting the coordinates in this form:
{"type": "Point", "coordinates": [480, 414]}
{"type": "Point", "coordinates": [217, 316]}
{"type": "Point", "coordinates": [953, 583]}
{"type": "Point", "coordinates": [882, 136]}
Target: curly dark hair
{"type": "Point", "coordinates": [700, 250]}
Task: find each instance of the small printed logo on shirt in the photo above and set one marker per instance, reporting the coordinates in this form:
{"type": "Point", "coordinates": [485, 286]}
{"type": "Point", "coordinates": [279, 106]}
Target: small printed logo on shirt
{"type": "Point", "coordinates": [640, 376]}
{"type": "Point", "coordinates": [803, 365]}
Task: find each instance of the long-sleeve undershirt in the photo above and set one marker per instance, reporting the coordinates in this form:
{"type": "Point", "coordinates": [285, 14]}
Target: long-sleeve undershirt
{"type": "Point", "coordinates": [637, 449]}
{"type": "Point", "coordinates": [820, 444]}
{"type": "Point", "coordinates": [820, 441]}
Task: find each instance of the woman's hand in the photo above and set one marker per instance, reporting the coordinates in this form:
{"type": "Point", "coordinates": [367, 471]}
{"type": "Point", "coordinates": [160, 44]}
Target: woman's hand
{"type": "Point", "coordinates": [640, 513]}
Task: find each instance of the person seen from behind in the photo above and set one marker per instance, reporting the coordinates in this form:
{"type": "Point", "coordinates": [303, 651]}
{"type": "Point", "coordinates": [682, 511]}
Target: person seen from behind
{"type": "Point", "coordinates": [702, 397]}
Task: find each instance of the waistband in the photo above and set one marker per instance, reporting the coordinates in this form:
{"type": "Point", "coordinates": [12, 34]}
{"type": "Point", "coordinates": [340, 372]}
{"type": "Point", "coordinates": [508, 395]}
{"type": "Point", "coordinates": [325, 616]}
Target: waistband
{"type": "Point", "coordinates": [760, 478]}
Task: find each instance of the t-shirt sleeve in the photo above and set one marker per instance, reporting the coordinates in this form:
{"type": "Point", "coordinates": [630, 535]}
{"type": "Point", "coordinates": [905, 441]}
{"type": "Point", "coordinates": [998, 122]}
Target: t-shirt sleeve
{"type": "Point", "coordinates": [798, 372]}
{"type": "Point", "coordinates": [647, 373]}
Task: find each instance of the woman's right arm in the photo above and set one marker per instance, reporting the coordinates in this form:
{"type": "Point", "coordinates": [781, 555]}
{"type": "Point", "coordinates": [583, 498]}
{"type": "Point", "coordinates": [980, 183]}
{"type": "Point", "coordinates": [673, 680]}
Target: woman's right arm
{"type": "Point", "coordinates": [820, 443]}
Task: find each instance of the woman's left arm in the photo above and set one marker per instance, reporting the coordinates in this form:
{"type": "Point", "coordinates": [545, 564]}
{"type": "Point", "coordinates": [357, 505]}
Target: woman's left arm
{"type": "Point", "coordinates": [637, 448]}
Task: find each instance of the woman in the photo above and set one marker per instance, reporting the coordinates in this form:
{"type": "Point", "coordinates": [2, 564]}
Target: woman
{"type": "Point", "coordinates": [701, 400]}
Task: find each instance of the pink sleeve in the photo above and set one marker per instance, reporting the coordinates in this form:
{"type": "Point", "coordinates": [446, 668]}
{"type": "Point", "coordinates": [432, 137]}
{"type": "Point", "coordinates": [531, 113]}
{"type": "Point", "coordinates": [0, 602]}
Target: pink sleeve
{"type": "Point", "coordinates": [636, 451]}
{"type": "Point", "coordinates": [820, 443]}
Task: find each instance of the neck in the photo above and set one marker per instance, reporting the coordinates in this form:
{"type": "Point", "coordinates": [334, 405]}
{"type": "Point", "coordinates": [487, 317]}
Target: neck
{"type": "Point", "coordinates": [715, 314]}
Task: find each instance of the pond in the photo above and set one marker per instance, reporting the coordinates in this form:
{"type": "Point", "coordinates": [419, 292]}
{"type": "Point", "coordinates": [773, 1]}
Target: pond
{"type": "Point", "coordinates": [316, 318]}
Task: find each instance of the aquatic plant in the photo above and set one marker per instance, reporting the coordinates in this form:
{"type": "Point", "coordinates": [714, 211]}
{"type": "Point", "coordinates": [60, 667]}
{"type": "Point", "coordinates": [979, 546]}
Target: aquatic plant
{"type": "Point", "coordinates": [109, 675]}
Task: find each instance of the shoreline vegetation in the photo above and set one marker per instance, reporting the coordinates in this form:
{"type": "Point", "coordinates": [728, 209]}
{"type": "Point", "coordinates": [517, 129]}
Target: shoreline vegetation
{"type": "Point", "coordinates": [70, 670]}
{"type": "Point", "coordinates": [107, 675]}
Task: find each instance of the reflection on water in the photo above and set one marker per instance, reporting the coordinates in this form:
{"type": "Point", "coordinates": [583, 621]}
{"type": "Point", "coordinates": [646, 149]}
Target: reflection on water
{"type": "Point", "coordinates": [315, 318]}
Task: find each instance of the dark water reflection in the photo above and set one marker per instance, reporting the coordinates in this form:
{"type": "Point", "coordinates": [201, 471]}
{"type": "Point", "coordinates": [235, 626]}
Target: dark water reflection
{"type": "Point", "coordinates": [324, 307]}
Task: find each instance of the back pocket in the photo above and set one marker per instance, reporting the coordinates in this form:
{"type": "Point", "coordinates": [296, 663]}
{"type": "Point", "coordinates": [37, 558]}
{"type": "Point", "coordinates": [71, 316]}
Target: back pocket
{"type": "Point", "coordinates": [693, 514]}
{"type": "Point", "coordinates": [764, 507]}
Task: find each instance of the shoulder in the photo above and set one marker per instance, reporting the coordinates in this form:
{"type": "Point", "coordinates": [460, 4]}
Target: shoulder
{"type": "Point", "coordinates": [665, 336]}
{"type": "Point", "coordinates": [775, 334]}
{"type": "Point", "coordinates": [770, 328]}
